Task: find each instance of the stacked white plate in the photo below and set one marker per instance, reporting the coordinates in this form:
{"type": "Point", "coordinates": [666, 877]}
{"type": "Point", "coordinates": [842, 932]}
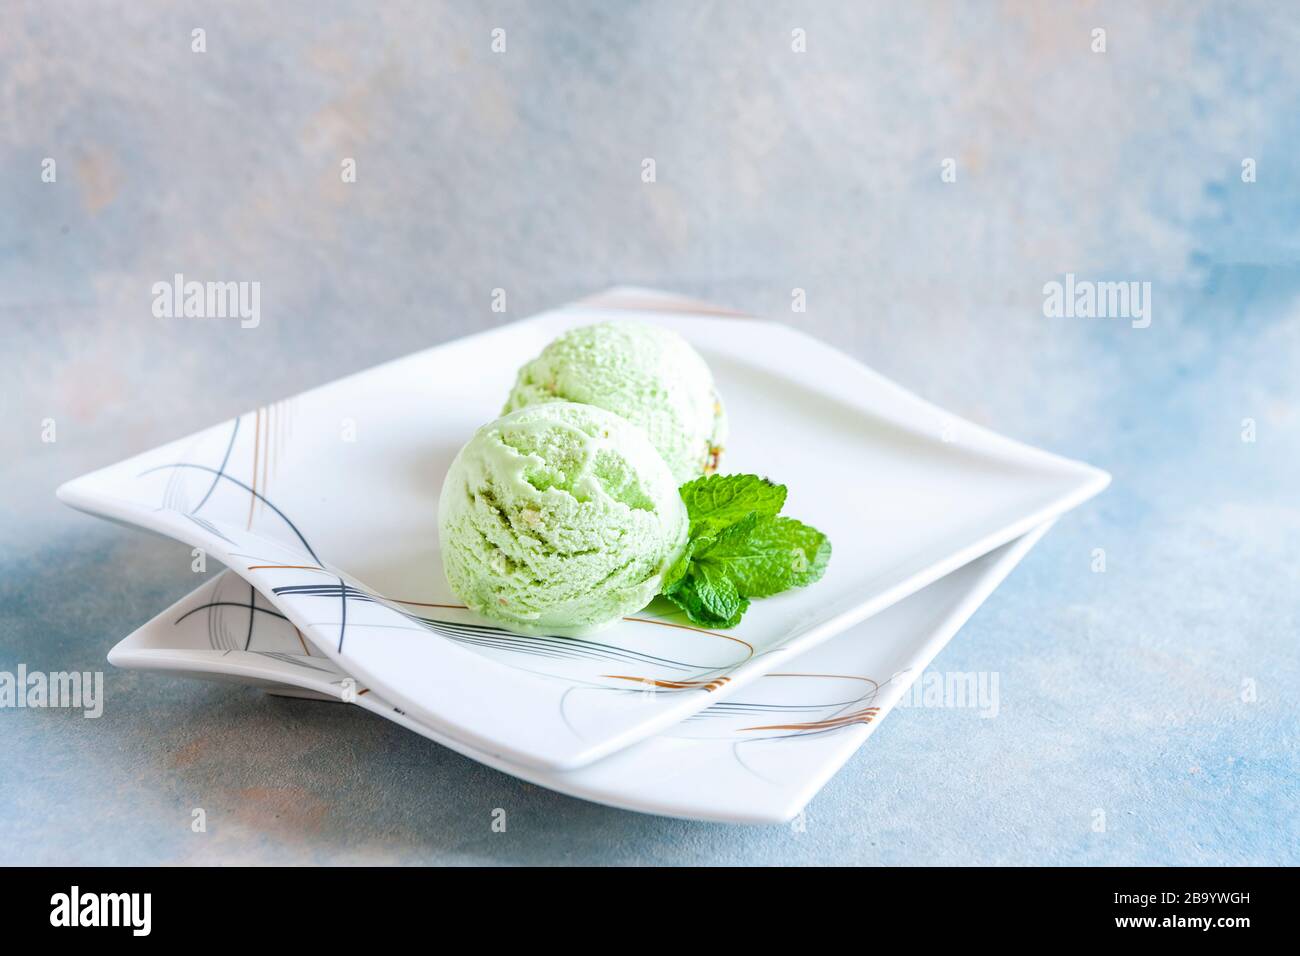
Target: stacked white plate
{"type": "Point", "coordinates": [324, 509]}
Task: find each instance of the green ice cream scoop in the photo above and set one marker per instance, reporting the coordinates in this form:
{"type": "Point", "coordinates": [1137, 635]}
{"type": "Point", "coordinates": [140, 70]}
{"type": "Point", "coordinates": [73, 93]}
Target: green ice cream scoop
{"type": "Point", "coordinates": [649, 375]}
{"type": "Point", "coordinates": [559, 519]}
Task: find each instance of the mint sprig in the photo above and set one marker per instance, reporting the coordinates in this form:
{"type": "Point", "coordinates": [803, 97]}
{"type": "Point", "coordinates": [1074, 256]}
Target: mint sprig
{"type": "Point", "coordinates": [740, 547]}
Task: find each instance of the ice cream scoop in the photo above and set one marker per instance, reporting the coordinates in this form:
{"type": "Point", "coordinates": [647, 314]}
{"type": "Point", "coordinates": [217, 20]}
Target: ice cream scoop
{"type": "Point", "coordinates": [649, 375]}
{"type": "Point", "coordinates": [559, 518]}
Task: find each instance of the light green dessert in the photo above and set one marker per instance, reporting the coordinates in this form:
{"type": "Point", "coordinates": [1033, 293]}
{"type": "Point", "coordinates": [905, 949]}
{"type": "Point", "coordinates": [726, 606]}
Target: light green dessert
{"type": "Point", "coordinates": [559, 518]}
{"type": "Point", "coordinates": [650, 376]}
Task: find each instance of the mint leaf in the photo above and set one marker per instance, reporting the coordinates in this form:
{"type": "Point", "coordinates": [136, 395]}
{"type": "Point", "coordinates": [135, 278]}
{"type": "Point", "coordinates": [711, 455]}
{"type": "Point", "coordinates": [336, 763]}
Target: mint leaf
{"type": "Point", "coordinates": [717, 592]}
{"type": "Point", "coordinates": [804, 551]}
{"type": "Point", "coordinates": [719, 501]}
{"type": "Point", "coordinates": [708, 601]}
{"type": "Point", "coordinates": [765, 557]}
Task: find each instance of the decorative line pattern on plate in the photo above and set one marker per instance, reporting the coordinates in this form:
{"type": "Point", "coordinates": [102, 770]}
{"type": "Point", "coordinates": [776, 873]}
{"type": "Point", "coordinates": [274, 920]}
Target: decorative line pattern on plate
{"type": "Point", "coordinates": [570, 648]}
{"type": "Point", "coordinates": [220, 474]}
{"type": "Point", "coordinates": [842, 713]}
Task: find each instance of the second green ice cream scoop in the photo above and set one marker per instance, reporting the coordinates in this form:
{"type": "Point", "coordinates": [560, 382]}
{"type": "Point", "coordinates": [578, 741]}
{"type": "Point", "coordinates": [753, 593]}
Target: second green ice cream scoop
{"type": "Point", "coordinates": [649, 375]}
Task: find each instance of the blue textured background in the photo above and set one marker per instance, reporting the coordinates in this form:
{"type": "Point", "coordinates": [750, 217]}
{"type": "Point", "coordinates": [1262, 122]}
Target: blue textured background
{"type": "Point", "coordinates": [1119, 691]}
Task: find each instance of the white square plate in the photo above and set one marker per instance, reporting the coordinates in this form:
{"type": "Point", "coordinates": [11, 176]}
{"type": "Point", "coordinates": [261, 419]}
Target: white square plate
{"type": "Point", "coordinates": [326, 503]}
{"type": "Point", "coordinates": [757, 757]}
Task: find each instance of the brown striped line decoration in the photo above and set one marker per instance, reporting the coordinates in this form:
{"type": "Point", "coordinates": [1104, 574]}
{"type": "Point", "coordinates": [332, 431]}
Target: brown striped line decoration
{"type": "Point", "coordinates": [710, 685]}
{"type": "Point", "coordinates": [864, 716]}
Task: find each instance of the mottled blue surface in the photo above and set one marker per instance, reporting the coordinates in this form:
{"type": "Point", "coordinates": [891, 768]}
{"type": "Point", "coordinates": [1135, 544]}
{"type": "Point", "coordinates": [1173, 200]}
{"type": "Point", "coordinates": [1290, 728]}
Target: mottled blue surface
{"type": "Point", "coordinates": [1120, 691]}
